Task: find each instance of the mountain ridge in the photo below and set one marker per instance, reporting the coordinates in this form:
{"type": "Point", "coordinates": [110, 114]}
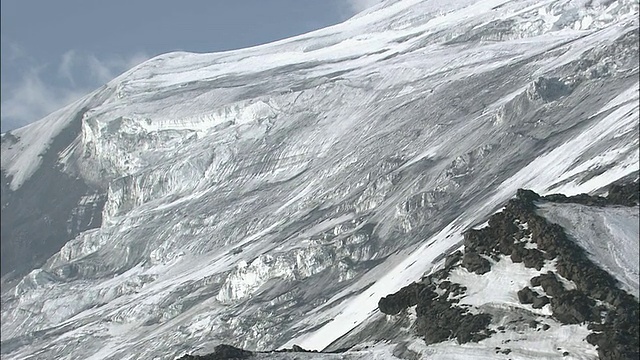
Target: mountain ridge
{"type": "Point", "coordinates": [274, 194]}
{"type": "Point", "coordinates": [608, 336]}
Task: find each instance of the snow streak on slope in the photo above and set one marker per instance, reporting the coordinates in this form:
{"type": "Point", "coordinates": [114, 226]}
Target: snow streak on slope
{"type": "Point", "coordinates": [611, 239]}
{"type": "Point", "coordinates": [22, 156]}
{"type": "Point", "coordinates": [275, 193]}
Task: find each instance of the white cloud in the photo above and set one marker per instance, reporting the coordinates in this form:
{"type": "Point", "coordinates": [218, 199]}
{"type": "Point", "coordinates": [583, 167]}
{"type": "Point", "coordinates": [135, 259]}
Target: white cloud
{"type": "Point", "coordinates": [31, 99]}
{"type": "Point", "coordinates": [37, 93]}
{"type": "Point", "coordinates": [100, 70]}
{"type": "Point", "coordinates": [65, 69]}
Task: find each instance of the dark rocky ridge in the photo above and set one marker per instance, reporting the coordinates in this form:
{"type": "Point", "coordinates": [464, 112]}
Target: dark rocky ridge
{"type": "Point", "coordinates": [228, 352]}
{"type": "Point", "coordinates": [614, 322]}
{"type": "Point", "coordinates": [221, 352]}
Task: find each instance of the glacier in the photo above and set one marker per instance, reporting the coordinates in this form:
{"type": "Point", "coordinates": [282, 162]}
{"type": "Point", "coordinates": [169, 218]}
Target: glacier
{"type": "Point", "coordinates": [270, 196]}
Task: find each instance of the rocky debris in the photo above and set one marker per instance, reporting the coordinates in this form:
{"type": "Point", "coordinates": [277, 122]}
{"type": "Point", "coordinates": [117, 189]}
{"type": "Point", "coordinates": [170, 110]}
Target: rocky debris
{"type": "Point", "coordinates": [221, 352]}
{"type": "Point", "coordinates": [574, 307]}
{"type": "Point", "coordinates": [438, 319]}
{"type": "Point", "coordinates": [300, 349]}
{"type": "Point", "coordinates": [475, 263]}
{"type": "Point", "coordinates": [549, 283]}
{"type": "Point", "coordinates": [614, 321]}
{"type": "Point", "coordinates": [228, 352]}
{"type": "Point", "coordinates": [619, 194]}
{"type": "Point", "coordinates": [540, 302]}
{"type": "Point", "coordinates": [452, 260]}
{"type": "Point", "coordinates": [583, 199]}
{"type": "Point", "coordinates": [548, 89]}
{"type": "Point", "coordinates": [627, 195]}
{"type": "Point", "coordinates": [532, 258]}
{"type": "Point", "coordinates": [296, 348]}
{"type": "Point", "coordinates": [406, 297]}
{"type": "Point", "coordinates": [528, 296]}
{"type": "Point", "coordinates": [617, 335]}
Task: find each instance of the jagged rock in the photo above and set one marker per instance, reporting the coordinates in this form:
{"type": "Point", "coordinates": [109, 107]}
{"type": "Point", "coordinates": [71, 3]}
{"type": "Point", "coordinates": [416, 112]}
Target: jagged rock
{"type": "Point", "coordinates": [517, 253]}
{"type": "Point", "coordinates": [473, 328]}
{"type": "Point", "coordinates": [505, 246]}
{"type": "Point", "coordinates": [547, 89]}
{"type": "Point", "coordinates": [221, 352]}
{"type": "Point", "coordinates": [540, 302]}
{"type": "Point", "coordinates": [479, 241]}
{"type": "Point", "coordinates": [440, 320]}
{"type": "Point", "coordinates": [559, 198]}
{"type": "Point", "coordinates": [588, 278]}
{"type": "Point", "coordinates": [527, 196]}
{"type": "Point", "coordinates": [453, 259]}
{"type": "Point", "coordinates": [586, 199]}
{"type": "Point", "coordinates": [406, 297]}
{"type": "Point", "coordinates": [473, 262]}
{"type": "Point", "coordinates": [613, 346]}
{"type": "Point", "coordinates": [527, 296]}
{"type": "Point", "coordinates": [627, 195]}
{"type": "Point", "coordinates": [533, 258]}
{"type": "Point", "coordinates": [573, 307]}
{"type": "Point", "coordinates": [296, 348]}
{"type": "Point", "coordinates": [549, 283]}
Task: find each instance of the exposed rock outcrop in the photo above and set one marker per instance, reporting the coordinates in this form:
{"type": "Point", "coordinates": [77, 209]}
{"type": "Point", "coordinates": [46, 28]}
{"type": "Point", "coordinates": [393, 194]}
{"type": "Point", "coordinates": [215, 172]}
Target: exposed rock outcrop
{"type": "Point", "coordinates": [221, 352]}
{"type": "Point", "coordinates": [519, 232]}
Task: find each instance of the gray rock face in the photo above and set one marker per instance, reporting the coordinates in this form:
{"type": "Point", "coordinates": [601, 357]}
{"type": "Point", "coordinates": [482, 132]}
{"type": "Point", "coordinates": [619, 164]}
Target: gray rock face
{"type": "Point", "coordinates": [275, 194]}
{"type": "Point", "coordinates": [50, 209]}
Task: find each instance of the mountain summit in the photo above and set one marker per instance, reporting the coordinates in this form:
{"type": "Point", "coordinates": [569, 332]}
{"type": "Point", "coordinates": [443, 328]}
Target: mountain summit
{"type": "Point", "coordinates": [272, 196]}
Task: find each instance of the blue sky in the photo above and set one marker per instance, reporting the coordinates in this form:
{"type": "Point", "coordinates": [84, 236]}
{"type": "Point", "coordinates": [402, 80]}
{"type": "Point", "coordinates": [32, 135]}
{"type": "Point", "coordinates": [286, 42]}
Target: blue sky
{"type": "Point", "coordinates": [53, 52]}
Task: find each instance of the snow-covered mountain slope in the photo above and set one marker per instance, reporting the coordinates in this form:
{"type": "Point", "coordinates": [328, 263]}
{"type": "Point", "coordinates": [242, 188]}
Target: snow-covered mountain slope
{"type": "Point", "coordinates": [610, 235]}
{"type": "Point", "coordinates": [521, 287]}
{"type": "Point", "coordinates": [271, 196]}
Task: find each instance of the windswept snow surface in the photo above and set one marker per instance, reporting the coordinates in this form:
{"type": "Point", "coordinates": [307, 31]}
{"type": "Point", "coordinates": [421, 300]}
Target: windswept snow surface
{"type": "Point", "coordinates": [610, 235]}
{"type": "Point", "coordinates": [526, 344]}
{"type": "Point", "coordinates": [271, 195]}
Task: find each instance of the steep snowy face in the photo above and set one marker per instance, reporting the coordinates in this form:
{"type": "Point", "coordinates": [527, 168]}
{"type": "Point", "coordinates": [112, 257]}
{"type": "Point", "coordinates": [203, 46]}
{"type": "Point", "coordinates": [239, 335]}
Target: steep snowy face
{"type": "Point", "coordinates": [611, 238]}
{"type": "Point", "coordinates": [274, 194]}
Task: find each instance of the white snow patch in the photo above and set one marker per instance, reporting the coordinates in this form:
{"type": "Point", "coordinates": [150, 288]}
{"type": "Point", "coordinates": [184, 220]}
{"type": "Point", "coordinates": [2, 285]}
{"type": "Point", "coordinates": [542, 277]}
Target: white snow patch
{"type": "Point", "coordinates": [500, 285]}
